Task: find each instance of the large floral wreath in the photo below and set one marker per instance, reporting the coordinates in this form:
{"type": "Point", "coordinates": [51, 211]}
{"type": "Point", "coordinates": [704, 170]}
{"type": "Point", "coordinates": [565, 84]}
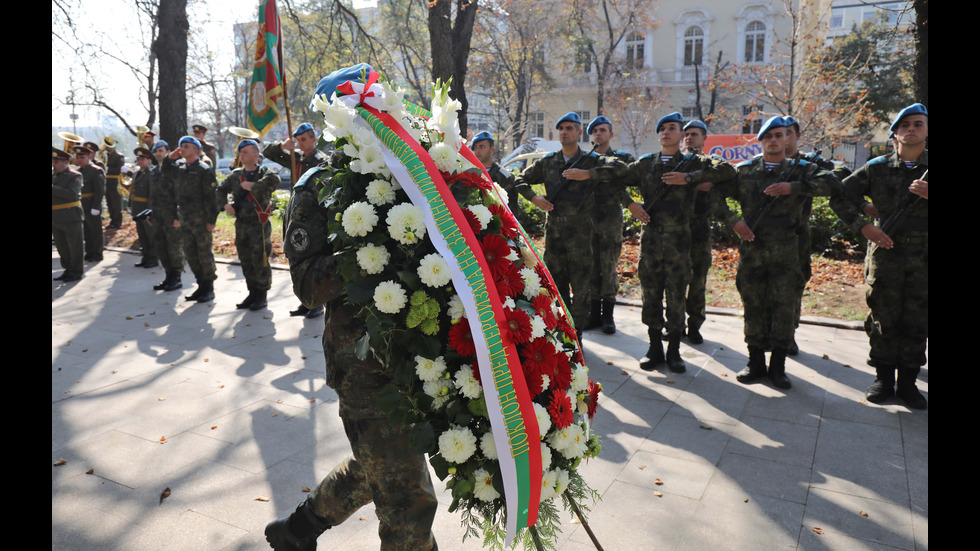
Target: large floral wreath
{"type": "Point", "coordinates": [460, 311]}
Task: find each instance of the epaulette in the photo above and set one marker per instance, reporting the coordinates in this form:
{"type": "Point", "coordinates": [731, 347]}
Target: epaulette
{"type": "Point", "coordinates": [647, 156]}
{"type": "Point", "coordinates": [802, 162]}
{"type": "Point", "coordinates": [883, 159]}
{"type": "Point", "coordinates": [549, 154]}
{"type": "Point", "coordinates": [307, 175]}
{"type": "Point", "coordinates": [744, 163]}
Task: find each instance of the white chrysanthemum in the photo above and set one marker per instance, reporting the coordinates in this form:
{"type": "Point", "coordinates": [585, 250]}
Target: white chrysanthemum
{"type": "Point", "coordinates": [503, 193]}
{"type": "Point", "coordinates": [537, 327]}
{"type": "Point", "coordinates": [373, 258]}
{"type": "Point", "coordinates": [532, 283]}
{"type": "Point", "coordinates": [389, 297]}
{"type": "Point", "coordinates": [454, 308]}
{"type": "Point", "coordinates": [483, 490]}
{"type": "Point", "coordinates": [405, 223]}
{"type": "Point", "coordinates": [439, 391]}
{"type": "Point", "coordinates": [545, 456]}
{"type": "Point", "coordinates": [429, 370]}
{"type": "Point", "coordinates": [581, 404]}
{"type": "Point", "coordinates": [561, 481]}
{"type": "Point", "coordinates": [548, 480]}
{"type": "Point", "coordinates": [467, 383]}
{"type": "Point", "coordinates": [569, 441]}
{"type": "Point", "coordinates": [580, 378]}
{"type": "Point", "coordinates": [444, 157]}
{"type": "Point", "coordinates": [370, 160]}
{"type": "Point", "coordinates": [359, 219]}
{"type": "Point", "coordinates": [380, 192]}
{"type": "Point", "coordinates": [544, 418]}
{"type": "Point", "coordinates": [483, 215]}
{"type": "Point", "coordinates": [545, 381]}
{"type": "Point", "coordinates": [488, 446]}
{"type": "Point", "coordinates": [509, 303]}
{"type": "Point", "coordinates": [457, 444]}
{"type": "Point", "coordinates": [433, 270]}
{"type": "Point", "coordinates": [513, 257]}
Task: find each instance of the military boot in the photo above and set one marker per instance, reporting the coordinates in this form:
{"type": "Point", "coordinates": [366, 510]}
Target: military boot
{"type": "Point", "coordinates": [297, 532]}
{"type": "Point", "coordinates": [595, 314]}
{"type": "Point", "coordinates": [794, 349]}
{"type": "Point", "coordinates": [206, 289]}
{"type": "Point", "coordinates": [655, 354]}
{"type": "Point", "coordinates": [674, 361]}
{"type": "Point", "coordinates": [608, 325]}
{"type": "Point", "coordinates": [193, 296]}
{"type": "Point", "coordinates": [260, 301]}
{"type": "Point", "coordinates": [301, 311]}
{"type": "Point", "coordinates": [164, 283]}
{"type": "Point", "coordinates": [694, 336]}
{"type": "Point", "coordinates": [906, 388]}
{"type": "Point", "coordinates": [777, 368]}
{"type": "Point", "coordinates": [755, 369]}
{"type": "Point", "coordinates": [884, 386]}
{"type": "Point", "coordinates": [249, 300]}
{"type": "Point", "coordinates": [174, 282]}
{"type": "Point", "coordinates": [315, 313]}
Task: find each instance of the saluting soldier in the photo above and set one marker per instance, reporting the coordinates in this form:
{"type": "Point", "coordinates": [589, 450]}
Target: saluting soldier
{"type": "Point", "coordinates": [197, 210]}
{"type": "Point", "coordinates": [569, 177]}
{"type": "Point", "coordinates": [251, 188]}
{"type": "Point", "coordinates": [66, 214]}
{"type": "Point", "coordinates": [303, 139]}
{"type": "Point", "coordinates": [139, 200]}
{"type": "Point", "coordinates": [93, 190]}
{"type": "Point", "coordinates": [607, 240]}
{"type": "Point", "coordinates": [113, 177]}
{"type": "Point", "coordinates": [166, 234]}
{"type": "Point", "coordinates": [484, 149]}
{"type": "Point", "coordinates": [771, 190]}
{"type": "Point", "coordinates": [897, 267]}
{"type": "Point", "coordinates": [668, 183]}
{"type": "Point", "coordinates": [210, 153]}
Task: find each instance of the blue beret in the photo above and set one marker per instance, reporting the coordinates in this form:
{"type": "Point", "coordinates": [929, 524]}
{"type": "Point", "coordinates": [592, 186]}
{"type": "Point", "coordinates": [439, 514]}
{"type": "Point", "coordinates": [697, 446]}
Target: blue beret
{"type": "Point", "coordinates": [696, 124]}
{"type": "Point", "coordinates": [914, 109]}
{"type": "Point", "coordinates": [189, 139]}
{"type": "Point", "coordinates": [673, 117]}
{"type": "Point", "coordinates": [773, 122]}
{"type": "Point", "coordinates": [160, 144]}
{"type": "Point", "coordinates": [305, 127]}
{"type": "Point", "coordinates": [328, 84]}
{"type": "Point", "coordinates": [571, 116]}
{"type": "Point", "coordinates": [791, 121]}
{"type": "Point", "coordinates": [247, 142]}
{"type": "Point", "coordinates": [596, 122]}
{"type": "Point", "coordinates": [480, 137]}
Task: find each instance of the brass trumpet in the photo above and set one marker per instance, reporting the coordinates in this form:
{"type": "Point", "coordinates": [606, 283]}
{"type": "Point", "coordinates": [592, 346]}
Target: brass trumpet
{"type": "Point", "coordinates": [243, 134]}
{"type": "Point", "coordinates": [70, 139]}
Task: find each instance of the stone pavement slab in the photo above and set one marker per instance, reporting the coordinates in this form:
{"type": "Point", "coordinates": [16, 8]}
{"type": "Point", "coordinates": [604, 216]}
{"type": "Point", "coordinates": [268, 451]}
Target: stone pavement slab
{"type": "Point", "coordinates": [229, 409]}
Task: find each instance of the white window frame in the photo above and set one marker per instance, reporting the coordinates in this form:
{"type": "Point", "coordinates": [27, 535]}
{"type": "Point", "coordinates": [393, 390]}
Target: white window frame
{"type": "Point", "coordinates": [687, 18]}
{"type": "Point", "coordinates": [747, 14]}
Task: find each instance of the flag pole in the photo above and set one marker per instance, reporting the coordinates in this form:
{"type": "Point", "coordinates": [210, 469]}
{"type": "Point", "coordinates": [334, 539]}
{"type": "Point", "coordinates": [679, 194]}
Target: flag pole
{"type": "Point", "coordinates": [285, 99]}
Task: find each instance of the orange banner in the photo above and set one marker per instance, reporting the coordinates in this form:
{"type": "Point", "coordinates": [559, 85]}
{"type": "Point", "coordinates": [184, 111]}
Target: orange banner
{"type": "Point", "coordinates": [734, 148]}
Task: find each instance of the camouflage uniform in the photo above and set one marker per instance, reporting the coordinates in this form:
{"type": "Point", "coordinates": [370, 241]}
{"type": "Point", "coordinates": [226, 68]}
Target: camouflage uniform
{"type": "Point", "coordinates": [166, 238]}
{"type": "Point", "coordinates": [197, 206]}
{"type": "Point", "coordinates": [275, 153]}
{"type": "Point", "coordinates": [607, 241]}
{"type": "Point", "coordinates": [665, 244]}
{"type": "Point", "coordinates": [769, 273]}
{"type": "Point", "coordinates": [383, 467]}
{"type": "Point", "coordinates": [209, 153]}
{"type": "Point", "coordinates": [93, 190]}
{"type": "Point", "coordinates": [113, 177]}
{"type": "Point", "coordinates": [898, 278]}
{"type": "Point", "coordinates": [139, 200]}
{"type": "Point", "coordinates": [569, 228]}
{"type": "Point", "coordinates": [66, 219]}
{"type": "Point", "coordinates": [253, 238]}
{"type": "Point", "coordinates": [506, 181]}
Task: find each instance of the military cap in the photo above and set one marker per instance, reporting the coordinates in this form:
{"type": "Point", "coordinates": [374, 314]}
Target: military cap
{"type": "Point", "coordinates": [199, 128]}
{"type": "Point", "coordinates": [791, 121]}
{"type": "Point", "coordinates": [328, 84]}
{"type": "Point", "coordinates": [247, 142]}
{"type": "Point", "coordinates": [480, 137]}
{"type": "Point", "coordinates": [695, 123]}
{"type": "Point", "coordinates": [305, 127]}
{"type": "Point", "coordinates": [143, 152]}
{"type": "Point", "coordinates": [596, 122]}
{"type": "Point", "coordinates": [59, 154]}
{"type": "Point", "coordinates": [109, 142]}
{"type": "Point", "coordinates": [673, 117]}
{"type": "Point", "coordinates": [914, 109]}
{"type": "Point", "coordinates": [149, 134]}
{"type": "Point", "coordinates": [91, 145]}
{"type": "Point", "coordinates": [81, 150]}
{"type": "Point", "coordinates": [189, 139]}
{"type": "Point", "coordinates": [160, 144]}
{"type": "Point", "coordinates": [773, 122]}
{"type": "Point", "coordinates": [571, 116]}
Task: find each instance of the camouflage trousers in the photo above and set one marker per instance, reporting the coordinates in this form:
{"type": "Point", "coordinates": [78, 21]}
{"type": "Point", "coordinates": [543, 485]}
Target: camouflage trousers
{"type": "Point", "coordinates": [68, 242]}
{"type": "Point", "coordinates": [197, 249]}
{"type": "Point", "coordinates": [254, 244]}
{"type": "Point", "coordinates": [94, 239]}
{"type": "Point", "coordinates": [664, 269]}
{"type": "Point", "coordinates": [898, 295]}
{"type": "Point", "coordinates": [607, 247]}
{"type": "Point", "coordinates": [768, 281]}
{"type": "Point", "coordinates": [147, 244]}
{"type": "Point", "coordinates": [806, 269]}
{"type": "Point", "coordinates": [168, 245]}
{"type": "Point", "coordinates": [700, 264]}
{"type": "Point", "coordinates": [383, 466]}
{"type": "Point", "coordinates": [568, 256]}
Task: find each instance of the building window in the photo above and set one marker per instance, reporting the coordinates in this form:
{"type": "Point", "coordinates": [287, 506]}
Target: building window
{"type": "Point", "coordinates": [693, 46]}
{"type": "Point", "coordinates": [634, 50]}
{"type": "Point", "coordinates": [755, 42]}
{"type": "Point", "coordinates": [751, 119]}
{"type": "Point", "coordinates": [689, 112]}
{"type": "Point", "coordinates": [586, 117]}
{"type": "Point", "coordinates": [536, 126]}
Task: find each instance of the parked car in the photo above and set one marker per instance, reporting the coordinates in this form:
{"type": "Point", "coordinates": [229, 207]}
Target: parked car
{"type": "Point", "coordinates": [286, 179]}
{"type": "Point", "coordinates": [224, 166]}
{"type": "Point", "coordinates": [517, 164]}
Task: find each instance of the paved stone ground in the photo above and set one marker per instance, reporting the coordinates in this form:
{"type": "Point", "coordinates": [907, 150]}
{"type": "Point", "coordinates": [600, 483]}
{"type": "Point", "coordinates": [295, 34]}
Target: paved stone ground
{"type": "Point", "coordinates": [228, 408]}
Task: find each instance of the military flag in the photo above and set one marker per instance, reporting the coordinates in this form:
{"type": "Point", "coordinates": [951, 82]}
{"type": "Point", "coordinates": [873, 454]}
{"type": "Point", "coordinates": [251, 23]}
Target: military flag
{"type": "Point", "coordinates": [267, 84]}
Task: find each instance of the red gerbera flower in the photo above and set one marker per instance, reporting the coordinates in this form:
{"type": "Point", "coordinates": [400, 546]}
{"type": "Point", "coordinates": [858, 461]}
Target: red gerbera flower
{"type": "Point", "coordinates": [545, 278]}
{"type": "Point", "coordinates": [560, 409]}
{"type": "Point", "coordinates": [460, 338]}
{"type": "Point", "coordinates": [469, 178]}
{"type": "Point", "coordinates": [592, 400]}
{"type": "Point", "coordinates": [538, 355]}
{"type": "Point", "coordinates": [496, 250]}
{"type": "Point", "coordinates": [566, 327]}
{"type": "Point", "coordinates": [508, 224]}
{"type": "Point", "coordinates": [562, 377]}
{"type": "Point", "coordinates": [577, 357]}
{"type": "Point", "coordinates": [535, 384]}
{"type": "Point", "coordinates": [542, 306]}
{"type": "Point", "coordinates": [472, 219]}
{"type": "Point", "coordinates": [509, 282]}
{"type": "Point", "coordinates": [518, 325]}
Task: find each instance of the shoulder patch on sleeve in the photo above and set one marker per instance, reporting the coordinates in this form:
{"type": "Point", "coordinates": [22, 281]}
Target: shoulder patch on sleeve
{"type": "Point", "coordinates": [743, 163]}
{"type": "Point", "coordinates": [307, 175]}
{"type": "Point", "coordinates": [879, 160]}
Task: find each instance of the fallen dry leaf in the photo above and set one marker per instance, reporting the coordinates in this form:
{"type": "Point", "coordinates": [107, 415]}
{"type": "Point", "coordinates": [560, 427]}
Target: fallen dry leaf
{"type": "Point", "coordinates": [641, 467]}
{"type": "Point", "coordinates": [362, 517]}
{"type": "Point", "coordinates": [705, 427]}
{"type": "Point", "coordinates": [214, 427]}
{"type": "Point", "coordinates": [658, 494]}
{"type": "Point", "coordinates": [746, 500]}
{"type": "Point", "coordinates": [164, 494]}
{"type": "Point", "coordinates": [818, 530]}
{"type": "Point", "coordinates": [129, 317]}
{"type": "Point", "coordinates": [163, 439]}
{"type": "Point", "coordinates": [261, 498]}
{"type": "Point", "coordinates": [90, 471]}
{"type": "Point", "coordinates": [575, 520]}
{"type": "Point", "coordinates": [60, 462]}
{"type": "Point", "coordinates": [624, 372]}
{"type": "Point", "coordinates": [826, 357]}
{"type": "Point", "coordinates": [670, 381]}
{"type": "Point", "coordinates": [863, 513]}
{"type": "Point", "coordinates": [306, 490]}
{"type": "Point", "coordinates": [608, 363]}
{"type": "Point", "coordinates": [658, 482]}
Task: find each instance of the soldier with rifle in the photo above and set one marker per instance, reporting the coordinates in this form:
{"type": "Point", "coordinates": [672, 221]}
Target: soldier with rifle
{"type": "Point", "coordinates": [668, 181]}
{"type": "Point", "coordinates": [897, 267]}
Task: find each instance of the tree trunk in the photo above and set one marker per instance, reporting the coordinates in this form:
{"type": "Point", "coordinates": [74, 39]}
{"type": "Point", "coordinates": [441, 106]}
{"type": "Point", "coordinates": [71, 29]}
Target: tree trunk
{"type": "Point", "coordinates": [450, 47]}
{"type": "Point", "coordinates": [922, 52]}
{"type": "Point", "coordinates": [170, 49]}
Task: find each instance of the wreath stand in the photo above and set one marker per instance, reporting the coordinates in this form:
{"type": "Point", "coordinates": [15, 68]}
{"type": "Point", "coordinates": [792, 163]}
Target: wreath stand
{"type": "Point", "coordinates": [581, 518]}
